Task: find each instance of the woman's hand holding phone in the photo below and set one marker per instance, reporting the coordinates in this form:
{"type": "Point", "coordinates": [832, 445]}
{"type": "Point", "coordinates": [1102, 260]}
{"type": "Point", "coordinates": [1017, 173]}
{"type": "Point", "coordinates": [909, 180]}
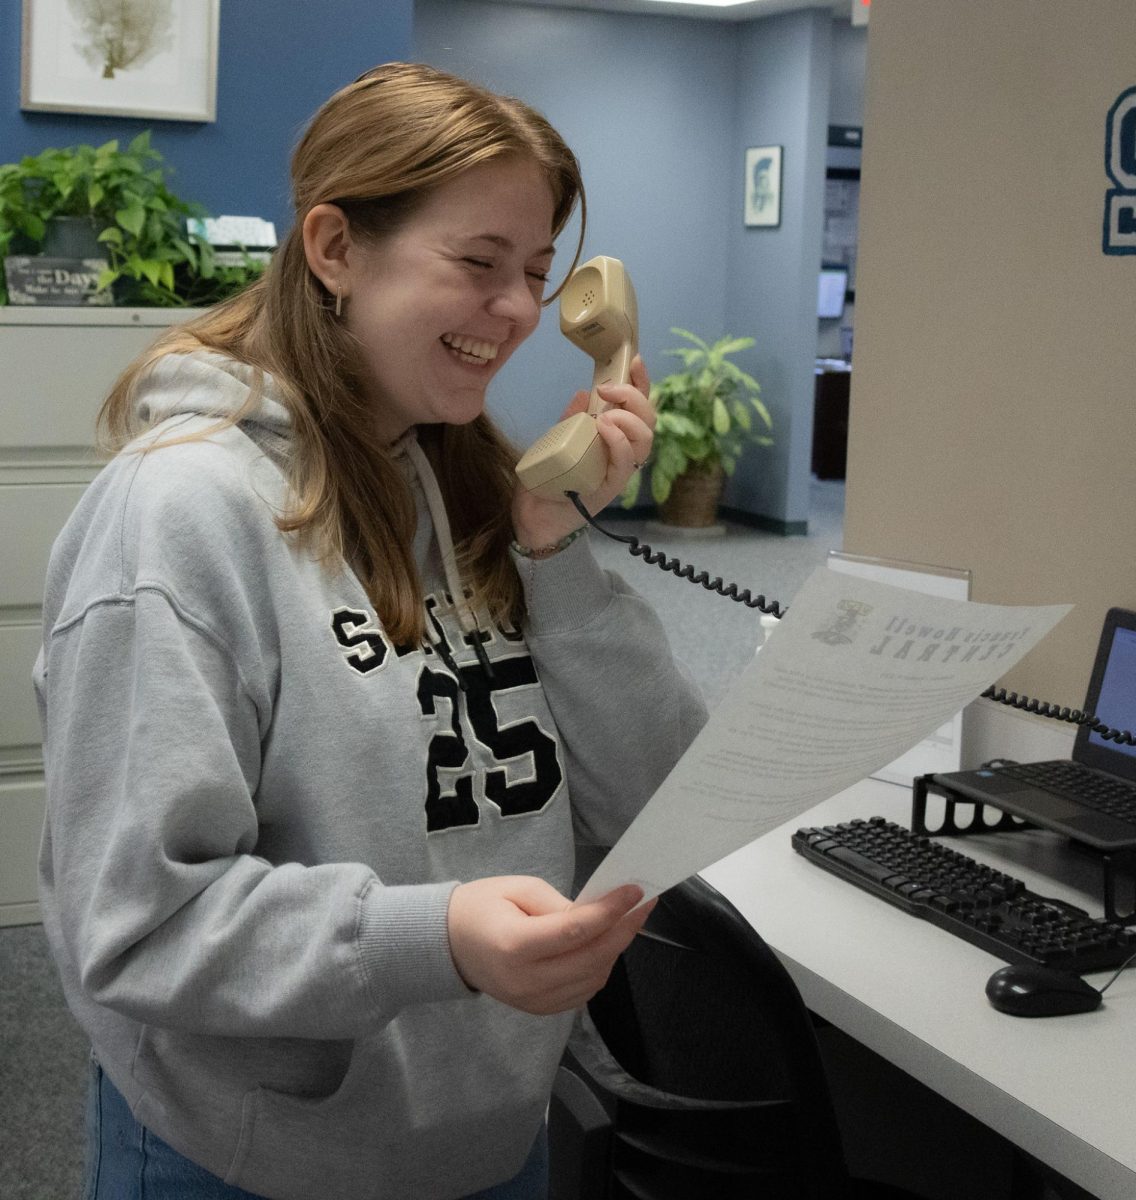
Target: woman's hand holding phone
{"type": "Point", "coordinates": [627, 431]}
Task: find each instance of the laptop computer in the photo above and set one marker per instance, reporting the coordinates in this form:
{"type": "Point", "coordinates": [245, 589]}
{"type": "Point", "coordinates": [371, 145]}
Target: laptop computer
{"type": "Point", "coordinates": [1090, 797]}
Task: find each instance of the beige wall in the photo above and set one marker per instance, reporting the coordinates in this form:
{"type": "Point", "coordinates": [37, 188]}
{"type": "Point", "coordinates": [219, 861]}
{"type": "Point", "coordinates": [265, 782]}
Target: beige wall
{"type": "Point", "coordinates": [992, 399]}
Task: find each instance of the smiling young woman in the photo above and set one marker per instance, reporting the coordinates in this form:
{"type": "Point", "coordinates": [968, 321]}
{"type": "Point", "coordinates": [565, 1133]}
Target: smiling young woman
{"type": "Point", "coordinates": [438, 307]}
{"type": "Point", "coordinates": [377, 151]}
{"type": "Point", "coordinates": [319, 737]}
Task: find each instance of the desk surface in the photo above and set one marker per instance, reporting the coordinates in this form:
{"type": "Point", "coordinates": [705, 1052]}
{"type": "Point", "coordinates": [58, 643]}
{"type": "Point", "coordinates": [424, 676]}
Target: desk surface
{"type": "Point", "coordinates": [1058, 1087]}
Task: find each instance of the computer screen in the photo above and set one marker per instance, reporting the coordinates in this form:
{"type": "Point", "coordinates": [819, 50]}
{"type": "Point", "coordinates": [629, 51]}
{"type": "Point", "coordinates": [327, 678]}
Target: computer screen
{"type": "Point", "coordinates": [1117, 704]}
{"type": "Point", "coordinates": [831, 288]}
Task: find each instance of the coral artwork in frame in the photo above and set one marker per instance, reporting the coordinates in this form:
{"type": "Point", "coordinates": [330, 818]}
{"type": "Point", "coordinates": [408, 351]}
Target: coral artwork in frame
{"type": "Point", "coordinates": [130, 58]}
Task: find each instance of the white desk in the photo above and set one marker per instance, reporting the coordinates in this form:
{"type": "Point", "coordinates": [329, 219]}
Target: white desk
{"type": "Point", "coordinates": [1058, 1087]}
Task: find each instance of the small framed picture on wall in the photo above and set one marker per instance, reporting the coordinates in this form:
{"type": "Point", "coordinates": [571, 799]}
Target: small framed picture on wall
{"type": "Point", "coordinates": [763, 186]}
{"type": "Point", "coordinates": [129, 58]}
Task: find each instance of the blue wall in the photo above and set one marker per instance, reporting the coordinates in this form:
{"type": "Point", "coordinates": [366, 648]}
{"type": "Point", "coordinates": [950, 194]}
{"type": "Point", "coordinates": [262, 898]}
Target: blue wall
{"type": "Point", "coordinates": [659, 110]}
{"type": "Point", "coordinates": [782, 100]}
{"type": "Point", "coordinates": [645, 104]}
{"type": "Point", "coordinates": [278, 60]}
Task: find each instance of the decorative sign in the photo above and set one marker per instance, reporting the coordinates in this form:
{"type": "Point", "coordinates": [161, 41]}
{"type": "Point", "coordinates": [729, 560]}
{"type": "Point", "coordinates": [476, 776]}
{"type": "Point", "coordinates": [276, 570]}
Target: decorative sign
{"type": "Point", "coordinates": [35, 279]}
{"type": "Point", "coordinates": [1120, 166]}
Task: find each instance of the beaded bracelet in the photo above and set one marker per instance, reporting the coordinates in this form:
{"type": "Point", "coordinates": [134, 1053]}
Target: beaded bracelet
{"type": "Point", "coordinates": [549, 551]}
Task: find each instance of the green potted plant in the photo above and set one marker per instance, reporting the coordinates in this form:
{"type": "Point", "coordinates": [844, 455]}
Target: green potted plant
{"type": "Point", "coordinates": [125, 213]}
{"type": "Point", "coordinates": [708, 415]}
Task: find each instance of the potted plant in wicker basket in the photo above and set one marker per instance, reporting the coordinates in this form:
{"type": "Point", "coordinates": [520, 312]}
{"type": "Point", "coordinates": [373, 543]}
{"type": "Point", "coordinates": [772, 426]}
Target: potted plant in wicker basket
{"type": "Point", "coordinates": [708, 415]}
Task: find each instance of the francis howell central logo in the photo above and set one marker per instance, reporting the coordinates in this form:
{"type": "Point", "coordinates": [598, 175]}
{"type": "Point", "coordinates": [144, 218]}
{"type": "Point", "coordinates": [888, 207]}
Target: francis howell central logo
{"type": "Point", "coordinates": [845, 625]}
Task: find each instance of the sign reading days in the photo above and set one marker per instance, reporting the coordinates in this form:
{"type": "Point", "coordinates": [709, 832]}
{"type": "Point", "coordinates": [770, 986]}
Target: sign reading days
{"type": "Point", "coordinates": [35, 279]}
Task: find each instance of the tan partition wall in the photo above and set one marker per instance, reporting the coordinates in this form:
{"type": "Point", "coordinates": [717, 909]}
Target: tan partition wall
{"type": "Point", "coordinates": [992, 394]}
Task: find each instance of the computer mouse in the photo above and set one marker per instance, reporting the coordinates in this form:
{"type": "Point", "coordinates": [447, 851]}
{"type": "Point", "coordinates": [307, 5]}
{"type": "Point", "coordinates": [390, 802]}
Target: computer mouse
{"type": "Point", "coordinates": [1028, 990]}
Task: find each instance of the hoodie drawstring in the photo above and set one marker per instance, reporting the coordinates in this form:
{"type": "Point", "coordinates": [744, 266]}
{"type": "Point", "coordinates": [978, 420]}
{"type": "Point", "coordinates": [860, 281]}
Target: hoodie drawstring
{"type": "Point", "coordinates": [467, 618]}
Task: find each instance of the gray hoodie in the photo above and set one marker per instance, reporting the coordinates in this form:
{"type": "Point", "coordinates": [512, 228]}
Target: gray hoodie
{"type": "Point", "coordinates": [258, 807]}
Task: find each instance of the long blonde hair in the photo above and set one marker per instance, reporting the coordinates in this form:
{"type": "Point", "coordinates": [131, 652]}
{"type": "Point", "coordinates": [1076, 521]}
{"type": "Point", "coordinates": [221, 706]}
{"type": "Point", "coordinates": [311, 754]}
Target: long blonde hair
{"type": "Point", "coordinates": [376, 148]}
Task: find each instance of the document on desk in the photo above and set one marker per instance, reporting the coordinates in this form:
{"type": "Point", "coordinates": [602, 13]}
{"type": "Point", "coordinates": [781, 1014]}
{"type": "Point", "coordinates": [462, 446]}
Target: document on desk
{"type": "Point", "coordinates": [855, 674]}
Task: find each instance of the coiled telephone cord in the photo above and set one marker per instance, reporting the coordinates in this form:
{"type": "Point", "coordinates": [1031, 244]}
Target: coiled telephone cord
{"type": "Point", "coordinates": [1074, 716]}
{"type": "Point", "coordinates": [731, 591]}
{"type": "Point", "coordinates": [656, 558]}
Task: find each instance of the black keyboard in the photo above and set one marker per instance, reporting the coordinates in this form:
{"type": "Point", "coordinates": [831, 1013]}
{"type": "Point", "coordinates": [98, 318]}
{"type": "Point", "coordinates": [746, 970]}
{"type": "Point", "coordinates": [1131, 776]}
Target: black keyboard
{"type": "Point", "coordinates": [1074, 781]}
{"type": "Point", "coordinates": [977, 903]}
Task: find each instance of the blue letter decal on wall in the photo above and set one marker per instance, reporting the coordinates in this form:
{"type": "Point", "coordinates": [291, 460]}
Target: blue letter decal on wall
{"type": "Point", "coordinates": [1120, 163]}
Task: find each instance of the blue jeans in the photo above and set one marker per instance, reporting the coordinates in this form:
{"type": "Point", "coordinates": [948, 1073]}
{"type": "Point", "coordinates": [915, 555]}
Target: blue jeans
{"type": "Point", "coordinates": [125, 1161]}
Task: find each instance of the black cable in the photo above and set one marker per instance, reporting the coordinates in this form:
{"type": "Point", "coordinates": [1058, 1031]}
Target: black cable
{"type": "Point", "coordinates": [1074, 716]}
{"type": "Point", "coordinates": [1116, 976]}
{"type": "Point", "coordinates": [657, 559]}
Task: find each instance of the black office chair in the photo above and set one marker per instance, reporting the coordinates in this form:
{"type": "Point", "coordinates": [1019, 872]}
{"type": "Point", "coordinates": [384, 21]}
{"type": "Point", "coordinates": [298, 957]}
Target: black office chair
{"type": "Point", "coordinates": [695, 1072]}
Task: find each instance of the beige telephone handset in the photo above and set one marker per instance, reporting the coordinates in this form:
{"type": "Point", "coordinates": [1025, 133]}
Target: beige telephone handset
{"type": "Point", "coordinates": [598, 313]}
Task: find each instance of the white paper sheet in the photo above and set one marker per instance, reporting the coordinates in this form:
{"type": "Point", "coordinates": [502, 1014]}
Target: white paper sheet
{"type": "Point", "coordinates": [856, 673]}
{"type": "Point", "coordinates": [941, 750]}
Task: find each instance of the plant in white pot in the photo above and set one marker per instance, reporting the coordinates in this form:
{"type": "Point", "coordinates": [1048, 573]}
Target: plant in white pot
{"type": "Point", "coordinates": [708, 415]}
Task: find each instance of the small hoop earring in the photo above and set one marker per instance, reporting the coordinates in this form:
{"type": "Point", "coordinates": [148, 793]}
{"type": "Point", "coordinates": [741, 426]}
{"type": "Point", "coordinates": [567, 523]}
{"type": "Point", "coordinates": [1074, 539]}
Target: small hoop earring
{"type": "Point", "coordinates": [339, 301]}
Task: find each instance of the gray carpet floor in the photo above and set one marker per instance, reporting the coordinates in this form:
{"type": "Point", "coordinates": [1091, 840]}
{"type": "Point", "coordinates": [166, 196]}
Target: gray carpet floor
{"type": "Point", "coordinates": [713, 636]}
{"type": "Point", "coordinates": [43, 1055]}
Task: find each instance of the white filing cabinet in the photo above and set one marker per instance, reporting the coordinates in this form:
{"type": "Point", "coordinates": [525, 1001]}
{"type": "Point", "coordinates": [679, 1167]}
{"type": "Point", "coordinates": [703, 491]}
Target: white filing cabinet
{"type": "Point", "coordinates": [56, 365]}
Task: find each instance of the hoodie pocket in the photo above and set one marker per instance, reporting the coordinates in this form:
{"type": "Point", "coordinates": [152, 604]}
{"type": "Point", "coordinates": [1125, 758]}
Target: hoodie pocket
{"type": "Point", "coordinates": [443, 1101]}
{"type": "Point", "coordinates": [278, 1127]}
{"type": "Point", "coordinates": [195, 1089]}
